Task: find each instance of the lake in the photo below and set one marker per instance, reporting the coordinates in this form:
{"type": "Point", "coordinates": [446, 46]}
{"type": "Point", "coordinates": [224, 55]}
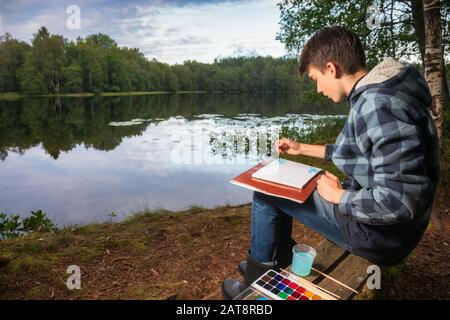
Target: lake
{"type": "Point", "coordinates": [80, 159]}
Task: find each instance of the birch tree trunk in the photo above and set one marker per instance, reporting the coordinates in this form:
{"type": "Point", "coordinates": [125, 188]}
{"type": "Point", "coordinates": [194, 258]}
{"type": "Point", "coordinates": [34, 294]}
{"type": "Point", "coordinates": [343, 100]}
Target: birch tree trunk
{"type": "Point", "coordinates": [434, 73]}
{"type": "Point", "coordinates": [434, 61]}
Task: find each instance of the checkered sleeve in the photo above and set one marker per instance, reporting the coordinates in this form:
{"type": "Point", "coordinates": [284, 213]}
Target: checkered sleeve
{"type": "Point", "coordinates": [329, 151]}
{"type": "Point", "coordinates": [398, 186]}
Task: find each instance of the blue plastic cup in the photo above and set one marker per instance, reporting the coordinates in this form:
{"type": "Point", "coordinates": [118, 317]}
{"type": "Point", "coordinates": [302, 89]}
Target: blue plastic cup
{"type": "Point", "coordinates": [302, 259]}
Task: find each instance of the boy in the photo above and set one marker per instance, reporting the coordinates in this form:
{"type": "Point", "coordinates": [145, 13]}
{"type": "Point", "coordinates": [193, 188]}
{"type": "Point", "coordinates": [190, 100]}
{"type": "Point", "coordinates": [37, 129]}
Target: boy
{"type": "Point", "coordinates": [388, 149]}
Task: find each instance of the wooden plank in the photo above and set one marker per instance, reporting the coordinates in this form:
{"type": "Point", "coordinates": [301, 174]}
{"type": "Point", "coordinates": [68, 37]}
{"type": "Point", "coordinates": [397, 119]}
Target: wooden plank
{"type": "Point", "coordinates": [352, 271]}
{"type": "Point", "coordinates": [328, 256]}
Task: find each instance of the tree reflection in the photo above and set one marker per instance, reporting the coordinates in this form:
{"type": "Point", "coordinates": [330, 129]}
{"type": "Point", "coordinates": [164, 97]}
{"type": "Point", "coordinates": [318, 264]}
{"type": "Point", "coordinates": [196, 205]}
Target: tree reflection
{"type": "Point", "coordinates": [61, 124]}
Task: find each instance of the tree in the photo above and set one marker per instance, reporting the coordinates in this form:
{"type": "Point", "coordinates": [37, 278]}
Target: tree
{"type": "Point", "coordinates": [434, 72]}
{"type": "Point", "coordinates": [102, 41]}
{"type": "Point", "coordinates": [154, 75]}
{"type": "Point", "coordinates": [136, 65]}
{"type": "Point", "coordinates": [97, 64]}
{"type": "Point", "coordinates": [400, 32]}
{"type": "Point", "coordinates": [12, 56]}
{"type": "Point", "coordinates": [73, 78]}
{"type": "Point", "coordinates": [31, 79]}
{"type": "Point", "coordinates": [184, 75]}
{"type": "Point", "coordinates": [169, 79]}
{"type": "Point", "coordinates": [117, 74]}
{"type": "Point", "coordinates": [54, 62]}
{"type": "Point", "coordinates": [93, 66]}
{"type": "Point", "coordinates": [47, 59]}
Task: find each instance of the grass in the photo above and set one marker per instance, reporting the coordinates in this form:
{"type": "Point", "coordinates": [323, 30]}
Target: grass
{"type": "Point", "coordinates": [133, 253]}
{"type": "Point", "coordinates": [10, 95]}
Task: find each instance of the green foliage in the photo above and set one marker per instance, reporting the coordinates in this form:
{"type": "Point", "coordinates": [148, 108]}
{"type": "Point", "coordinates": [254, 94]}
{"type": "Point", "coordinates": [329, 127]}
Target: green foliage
{"type": "Point", "coordinates": [112, 215]}
{"type": "Point", "coordinates": [12, 56]}
{"type": "Point", "coordinates": [73, 78]}
{"type": "Point", "coordinates": [313, 96]}
{"type": "Point", "coordinates": [32, 81]}
{"type": "Point", "coordinates": [401, 33]}
{"type": "Point", "coordinates": [37, 221]}
{"type": "Point", "coordinates": [319, 132]}
{"type": "Point", "coordinates": [9, 226]}
{"type": "Point", "coordinates": [96, 64]}
{"type": "Point", "coordinates": [47, 59]}
{"type": "Point", "coordinates": [13, 226]}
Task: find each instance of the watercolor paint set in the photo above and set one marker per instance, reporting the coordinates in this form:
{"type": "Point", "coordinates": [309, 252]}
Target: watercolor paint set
{"type": "Point", "coordinates": [280, 286]}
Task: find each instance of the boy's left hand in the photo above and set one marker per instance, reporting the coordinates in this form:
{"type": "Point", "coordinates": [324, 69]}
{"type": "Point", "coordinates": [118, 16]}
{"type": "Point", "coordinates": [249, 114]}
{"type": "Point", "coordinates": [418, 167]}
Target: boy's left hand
{"type": "Point", "coordinates": [329, 187]}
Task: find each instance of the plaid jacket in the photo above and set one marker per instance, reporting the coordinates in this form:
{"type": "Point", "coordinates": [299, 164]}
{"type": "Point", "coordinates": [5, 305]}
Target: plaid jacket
{"type": "Point", "coordinates": [388, 148]}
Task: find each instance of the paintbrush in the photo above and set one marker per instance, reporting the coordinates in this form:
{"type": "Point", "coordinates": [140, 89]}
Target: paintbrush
{"type": "Point", "coordinates": [332, 279]}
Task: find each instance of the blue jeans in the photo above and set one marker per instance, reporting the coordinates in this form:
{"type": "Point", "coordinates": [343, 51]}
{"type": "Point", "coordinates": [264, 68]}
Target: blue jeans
{"type": "Point", "coordinates": [272, 224]}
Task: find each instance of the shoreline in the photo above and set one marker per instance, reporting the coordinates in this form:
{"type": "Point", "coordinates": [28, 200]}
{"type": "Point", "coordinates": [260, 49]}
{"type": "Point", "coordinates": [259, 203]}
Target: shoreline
{"type": "Point", "coordinates": [146, 254]}
{"type": "Point", "coordinates": [16, 95]}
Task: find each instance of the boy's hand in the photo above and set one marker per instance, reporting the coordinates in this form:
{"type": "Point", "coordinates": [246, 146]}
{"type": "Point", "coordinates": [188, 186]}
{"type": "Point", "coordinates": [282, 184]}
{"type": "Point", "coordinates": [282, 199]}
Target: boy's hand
{"type": "Point", "coordinates": [287, 146]}
{"type": "Point", "coordinates": [329, 187]}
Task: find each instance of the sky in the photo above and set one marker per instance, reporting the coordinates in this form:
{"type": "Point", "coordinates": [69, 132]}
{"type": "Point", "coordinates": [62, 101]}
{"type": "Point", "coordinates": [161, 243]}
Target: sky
{"type": "Point", "coordinates": [170, 31]}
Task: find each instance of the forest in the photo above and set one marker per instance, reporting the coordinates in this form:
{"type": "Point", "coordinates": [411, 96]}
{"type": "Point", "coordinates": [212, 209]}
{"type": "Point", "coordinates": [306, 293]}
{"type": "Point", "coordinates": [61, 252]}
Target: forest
{"type": "Point", "coordinates": [53, 65]}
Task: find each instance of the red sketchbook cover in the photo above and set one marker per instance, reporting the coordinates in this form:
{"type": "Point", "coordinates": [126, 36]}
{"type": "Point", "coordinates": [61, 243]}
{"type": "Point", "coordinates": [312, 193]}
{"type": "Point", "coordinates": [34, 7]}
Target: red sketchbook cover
{"type": "Point", "coordinates": [278, 190]}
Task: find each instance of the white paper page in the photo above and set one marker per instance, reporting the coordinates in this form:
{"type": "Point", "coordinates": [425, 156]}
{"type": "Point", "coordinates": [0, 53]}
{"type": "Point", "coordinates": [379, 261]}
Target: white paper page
{"type": "Point", "coordinates": [286, 172]}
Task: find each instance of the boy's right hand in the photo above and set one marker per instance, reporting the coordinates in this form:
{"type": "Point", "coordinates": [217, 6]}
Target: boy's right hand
{"type": "Point", "coordinates": [285, 145]}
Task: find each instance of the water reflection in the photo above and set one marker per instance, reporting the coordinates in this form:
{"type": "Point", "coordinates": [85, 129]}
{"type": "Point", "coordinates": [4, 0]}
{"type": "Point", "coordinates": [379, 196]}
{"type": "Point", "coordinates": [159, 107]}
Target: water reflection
{"type": "Point", "coordinates": [80, 159]}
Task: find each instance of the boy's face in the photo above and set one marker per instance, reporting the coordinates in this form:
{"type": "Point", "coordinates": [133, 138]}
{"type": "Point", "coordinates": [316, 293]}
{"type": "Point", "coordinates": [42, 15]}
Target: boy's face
{"type": "Point", "coordinates": [329, 83]}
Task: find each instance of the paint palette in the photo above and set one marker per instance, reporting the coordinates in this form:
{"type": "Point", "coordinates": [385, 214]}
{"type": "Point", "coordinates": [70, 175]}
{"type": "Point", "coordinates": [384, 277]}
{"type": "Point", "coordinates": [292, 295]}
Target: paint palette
{"type": "Point", "coordinates": [282, 287]}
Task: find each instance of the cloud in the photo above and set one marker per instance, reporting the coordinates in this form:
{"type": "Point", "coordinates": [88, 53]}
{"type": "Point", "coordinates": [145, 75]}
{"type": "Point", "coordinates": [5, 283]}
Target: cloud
{"type": "Point", "coordinates": [244, 52]}
{"type": "Point", "coordinates": [171, 31]}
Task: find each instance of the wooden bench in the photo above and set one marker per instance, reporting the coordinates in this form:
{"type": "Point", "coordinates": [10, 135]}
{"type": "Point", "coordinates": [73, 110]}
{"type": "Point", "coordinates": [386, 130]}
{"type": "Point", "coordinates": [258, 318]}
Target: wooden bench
{"type": "Point", "coordinates": [340, 265]}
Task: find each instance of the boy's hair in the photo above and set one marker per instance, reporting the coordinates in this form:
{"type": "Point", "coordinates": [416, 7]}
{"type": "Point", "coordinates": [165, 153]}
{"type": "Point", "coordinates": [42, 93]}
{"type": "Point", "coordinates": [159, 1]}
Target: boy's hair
{"type": "Point", "coordinates": [335, 44]}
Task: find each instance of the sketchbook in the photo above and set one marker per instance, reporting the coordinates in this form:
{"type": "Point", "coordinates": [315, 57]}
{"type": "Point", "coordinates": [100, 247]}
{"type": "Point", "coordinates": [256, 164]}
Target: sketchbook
{"type": "Point", "coordinates": [308, 180]}
{"type": "Point", "coordinates": [288, 173]}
